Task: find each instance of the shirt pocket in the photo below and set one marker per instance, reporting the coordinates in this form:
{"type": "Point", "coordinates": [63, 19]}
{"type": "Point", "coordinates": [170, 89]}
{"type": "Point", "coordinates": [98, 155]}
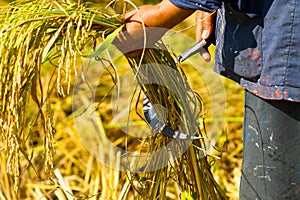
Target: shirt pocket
{"type": "Point", "coordinates": [240, 43]}
{"type": "Point", "coordinates": [249, 61]}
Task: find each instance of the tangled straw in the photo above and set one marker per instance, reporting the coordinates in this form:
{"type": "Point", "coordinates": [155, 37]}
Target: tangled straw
{"type": "Point", "coordinates": [35, 34]}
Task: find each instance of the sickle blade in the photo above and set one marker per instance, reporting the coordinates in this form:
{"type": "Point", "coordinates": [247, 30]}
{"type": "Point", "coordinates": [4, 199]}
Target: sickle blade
{"type": "Point", "coordinates": [159, 126]}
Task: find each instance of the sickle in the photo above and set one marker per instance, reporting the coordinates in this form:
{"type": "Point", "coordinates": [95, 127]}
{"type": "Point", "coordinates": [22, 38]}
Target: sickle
{"type": "Point", "coordinates": [159, 126]}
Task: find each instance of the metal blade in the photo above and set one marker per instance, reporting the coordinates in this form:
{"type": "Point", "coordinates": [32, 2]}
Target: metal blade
{"type": "Point", "coordinates": [192, 51]}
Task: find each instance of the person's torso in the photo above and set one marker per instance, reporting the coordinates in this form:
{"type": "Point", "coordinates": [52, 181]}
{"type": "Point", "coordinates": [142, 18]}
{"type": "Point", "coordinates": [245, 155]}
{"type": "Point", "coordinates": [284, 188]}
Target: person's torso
{"type": "Point", "coordinates": [258, 45]}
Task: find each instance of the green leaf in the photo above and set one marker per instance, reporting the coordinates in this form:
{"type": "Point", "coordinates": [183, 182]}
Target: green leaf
{"type": "Point", "coordinates": [106, 43]}
{"type": "Point", "coordinates": [186, 196]}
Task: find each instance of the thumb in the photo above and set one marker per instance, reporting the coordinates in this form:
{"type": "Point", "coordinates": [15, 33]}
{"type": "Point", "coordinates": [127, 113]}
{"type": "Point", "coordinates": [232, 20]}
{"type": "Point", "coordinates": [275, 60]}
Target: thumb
{"type": "Point", "coordinates": [205, 25]}
{"type": "Point", "coordinates": [128, 15]}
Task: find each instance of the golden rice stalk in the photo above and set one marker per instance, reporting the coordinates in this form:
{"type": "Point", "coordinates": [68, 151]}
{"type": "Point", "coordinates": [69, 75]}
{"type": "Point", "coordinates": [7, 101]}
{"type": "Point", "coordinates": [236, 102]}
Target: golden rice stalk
{"type": "Point", "coordinates": [31, 34]}
{"type": "Point", "coordinates": [34, 33]}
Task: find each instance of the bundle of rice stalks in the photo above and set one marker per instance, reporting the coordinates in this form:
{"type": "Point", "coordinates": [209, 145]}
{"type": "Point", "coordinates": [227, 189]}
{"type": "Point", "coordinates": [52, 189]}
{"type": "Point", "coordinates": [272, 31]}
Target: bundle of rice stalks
{"type": "Point", "coordinates": [165, 84]}
{"type": "Point", "coordinates": [37, 34]}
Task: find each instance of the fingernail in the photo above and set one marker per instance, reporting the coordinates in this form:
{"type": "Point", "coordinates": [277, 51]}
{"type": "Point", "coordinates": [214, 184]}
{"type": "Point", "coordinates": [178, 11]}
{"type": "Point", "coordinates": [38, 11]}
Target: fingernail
{"type": "Point", "coordinates": [204, 34]}
{"type": "Point", "coordinates": [206, 57]}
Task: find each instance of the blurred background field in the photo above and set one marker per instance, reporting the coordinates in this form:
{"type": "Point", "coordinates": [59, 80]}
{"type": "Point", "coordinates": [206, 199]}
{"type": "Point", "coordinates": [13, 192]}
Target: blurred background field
{"type": "Point", "coordinates": [81, 176]}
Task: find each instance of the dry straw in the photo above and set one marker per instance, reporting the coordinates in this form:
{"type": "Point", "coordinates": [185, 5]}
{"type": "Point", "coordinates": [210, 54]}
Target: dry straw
{"type": "Point", "coordinates": [37, 34]}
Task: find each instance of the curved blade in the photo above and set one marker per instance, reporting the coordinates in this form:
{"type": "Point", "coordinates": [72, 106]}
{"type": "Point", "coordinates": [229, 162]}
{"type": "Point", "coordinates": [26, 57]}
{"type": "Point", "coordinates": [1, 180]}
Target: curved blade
{"type": "Point", "coordinates": [159, 126]}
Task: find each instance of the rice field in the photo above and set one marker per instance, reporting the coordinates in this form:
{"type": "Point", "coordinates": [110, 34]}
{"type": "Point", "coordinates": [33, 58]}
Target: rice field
{"type": "Point", "coordinates": [57, 156]}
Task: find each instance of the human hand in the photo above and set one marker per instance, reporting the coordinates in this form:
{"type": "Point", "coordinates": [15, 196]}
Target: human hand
{"type": "Point", "coordinates": [205, 31]}
{"type": "Point", "coordinates": [136, 35]}
{"type": "Point", "coordinates": [151, 21]}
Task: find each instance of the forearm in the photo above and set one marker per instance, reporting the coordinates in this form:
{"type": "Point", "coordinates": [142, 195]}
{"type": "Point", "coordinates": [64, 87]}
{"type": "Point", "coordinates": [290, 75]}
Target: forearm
{"type": "Point", "coordinates": [165, 15]}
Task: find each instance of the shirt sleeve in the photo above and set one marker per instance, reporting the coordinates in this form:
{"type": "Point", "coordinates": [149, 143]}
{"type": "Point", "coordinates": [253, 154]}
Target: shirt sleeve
{"type": "Point", "coordinates": [204, 5]}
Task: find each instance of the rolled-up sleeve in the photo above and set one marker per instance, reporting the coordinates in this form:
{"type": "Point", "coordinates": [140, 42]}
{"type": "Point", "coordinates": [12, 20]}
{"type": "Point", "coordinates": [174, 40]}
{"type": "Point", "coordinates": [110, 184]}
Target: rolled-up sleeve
{"type": "Point", "coordinates": [204, 5]}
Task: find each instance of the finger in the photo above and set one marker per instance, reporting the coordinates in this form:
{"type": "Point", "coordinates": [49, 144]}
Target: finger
{"type": "Point", "coordinates": [198, 26]}
{"type": "Point", "coordinates": [205, 25]}
{"type": "Point", "coordinates": [205, 54]}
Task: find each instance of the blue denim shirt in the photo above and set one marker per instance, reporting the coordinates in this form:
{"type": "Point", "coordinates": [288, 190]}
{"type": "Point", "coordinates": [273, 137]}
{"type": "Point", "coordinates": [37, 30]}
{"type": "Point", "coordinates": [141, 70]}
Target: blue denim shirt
{"type": "Point", "coordinates": [257, 44]}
